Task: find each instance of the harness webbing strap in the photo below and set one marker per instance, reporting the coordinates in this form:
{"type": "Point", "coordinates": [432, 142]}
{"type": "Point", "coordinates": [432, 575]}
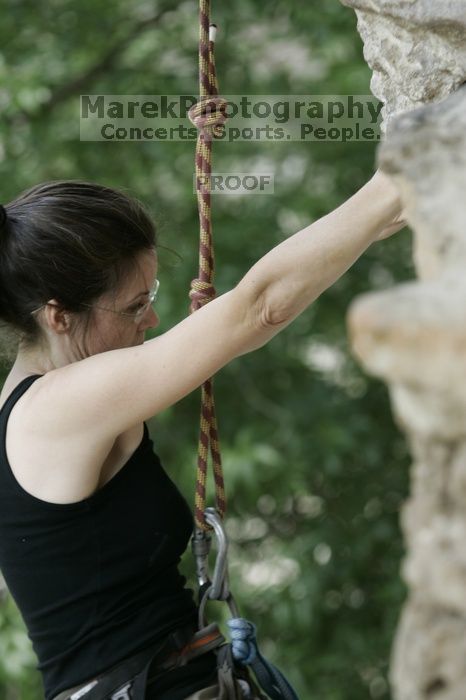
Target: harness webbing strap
{"type": "Point", "coordinates": [208, 114]}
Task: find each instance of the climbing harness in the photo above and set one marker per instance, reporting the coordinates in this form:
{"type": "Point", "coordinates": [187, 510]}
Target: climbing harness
{"type": "Point", "coordinates": [233, 660]}
{"type": "Point", "coordinates": [129, 679]}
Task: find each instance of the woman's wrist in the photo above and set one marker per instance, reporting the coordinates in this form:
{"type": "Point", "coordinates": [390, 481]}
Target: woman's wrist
{"type": "Point", "coordinates": [382, 187]}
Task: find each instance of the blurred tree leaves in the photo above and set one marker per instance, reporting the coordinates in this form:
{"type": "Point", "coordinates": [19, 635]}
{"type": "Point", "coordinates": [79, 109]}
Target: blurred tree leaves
{"type": "Point", "coordinates": [316, 469]}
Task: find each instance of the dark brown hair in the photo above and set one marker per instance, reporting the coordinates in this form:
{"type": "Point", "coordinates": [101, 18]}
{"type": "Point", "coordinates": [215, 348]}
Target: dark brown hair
{"type": "Point", "coordinates": [69, 240]}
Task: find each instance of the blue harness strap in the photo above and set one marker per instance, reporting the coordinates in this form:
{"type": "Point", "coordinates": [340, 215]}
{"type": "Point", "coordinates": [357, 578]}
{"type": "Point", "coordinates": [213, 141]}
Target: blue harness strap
{"type": "Point", "coordinates": [246, 652]}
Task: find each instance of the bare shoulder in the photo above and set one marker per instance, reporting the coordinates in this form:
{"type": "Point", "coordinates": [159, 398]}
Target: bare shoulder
{"type": "Point", "coordinates": [59, 468]}
{"type": "Point", "coordinates": [86, 409]}
{"type": "Point", "coordinates": [113, 391]}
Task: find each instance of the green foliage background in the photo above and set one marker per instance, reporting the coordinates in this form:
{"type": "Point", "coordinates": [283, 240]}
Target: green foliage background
{"type": "Point", "coordinates": [316, 469]}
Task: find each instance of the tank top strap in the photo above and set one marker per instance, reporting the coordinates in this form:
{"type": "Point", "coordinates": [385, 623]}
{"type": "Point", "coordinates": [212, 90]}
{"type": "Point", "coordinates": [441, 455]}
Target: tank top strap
{"type": "Point", "coordinates": [15, 395]}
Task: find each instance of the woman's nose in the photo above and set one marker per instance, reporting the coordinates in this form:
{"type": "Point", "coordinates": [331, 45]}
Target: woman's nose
{"type": "Point", "coordinates": [150, 320]}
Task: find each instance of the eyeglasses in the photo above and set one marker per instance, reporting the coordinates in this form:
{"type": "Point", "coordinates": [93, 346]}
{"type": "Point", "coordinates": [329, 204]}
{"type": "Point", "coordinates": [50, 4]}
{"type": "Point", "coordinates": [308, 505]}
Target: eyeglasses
{"type": "Point", "coordinates": [139, 308]}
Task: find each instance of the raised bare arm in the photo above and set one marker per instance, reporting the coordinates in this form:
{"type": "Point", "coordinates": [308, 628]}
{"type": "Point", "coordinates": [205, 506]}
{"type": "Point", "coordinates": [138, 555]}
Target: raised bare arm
{"type": "Point", "coordinates": [107, 393]}
{"type": "Point", "coordinates": [294, 273]}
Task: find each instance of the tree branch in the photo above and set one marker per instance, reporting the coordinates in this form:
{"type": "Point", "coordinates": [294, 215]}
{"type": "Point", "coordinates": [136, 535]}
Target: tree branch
{"type": "Point", "coordinates": [105, 62]}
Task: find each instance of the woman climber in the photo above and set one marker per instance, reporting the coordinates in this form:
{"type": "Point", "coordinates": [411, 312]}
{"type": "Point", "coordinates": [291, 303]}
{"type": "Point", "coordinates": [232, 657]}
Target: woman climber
{"type": "Point", "coordinates": [91, 527]}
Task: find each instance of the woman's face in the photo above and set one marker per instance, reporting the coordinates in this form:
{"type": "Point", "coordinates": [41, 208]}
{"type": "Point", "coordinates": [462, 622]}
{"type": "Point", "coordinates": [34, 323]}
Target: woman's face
{"type": "Point", "coordinates": [109, 330]}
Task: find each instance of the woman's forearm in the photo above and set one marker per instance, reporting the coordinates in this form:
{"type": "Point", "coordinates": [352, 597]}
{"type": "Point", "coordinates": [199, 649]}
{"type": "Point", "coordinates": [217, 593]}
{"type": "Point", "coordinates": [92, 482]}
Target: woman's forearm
{"type": "Point", "coordinates": [294, 273]}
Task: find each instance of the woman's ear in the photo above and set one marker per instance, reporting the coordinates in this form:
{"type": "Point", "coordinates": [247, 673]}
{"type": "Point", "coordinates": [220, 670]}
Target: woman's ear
{"type": "Point", "coordinates": [56, 317]}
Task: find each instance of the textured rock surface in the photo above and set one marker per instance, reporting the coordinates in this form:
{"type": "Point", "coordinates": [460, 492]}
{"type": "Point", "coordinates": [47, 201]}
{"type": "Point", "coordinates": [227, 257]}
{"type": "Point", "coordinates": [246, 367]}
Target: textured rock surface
{"type": "Point", "coordinates": [414, 336]}
{"type": "Point", "coordinates": [436, 643]}
{"type": "Point", "coordinates": [416, 48]}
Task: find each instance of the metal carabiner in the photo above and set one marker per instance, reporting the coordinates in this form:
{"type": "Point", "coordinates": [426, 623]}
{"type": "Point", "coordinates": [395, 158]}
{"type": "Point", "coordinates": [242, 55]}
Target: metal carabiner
{"type": "Point", "coordinates": [219, 589]}
{"type": "Point", "coordinates": [200, 544]}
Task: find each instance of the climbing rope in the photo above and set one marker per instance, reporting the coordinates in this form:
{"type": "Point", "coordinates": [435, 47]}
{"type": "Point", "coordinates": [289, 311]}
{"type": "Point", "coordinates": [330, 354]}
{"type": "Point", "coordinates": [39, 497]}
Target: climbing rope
{"type": "Point", "coordinates": [208, 114]}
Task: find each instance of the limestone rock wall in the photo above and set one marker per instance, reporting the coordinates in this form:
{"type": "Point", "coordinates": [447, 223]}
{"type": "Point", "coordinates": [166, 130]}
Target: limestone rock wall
{"type": "Point", "coordinates": [416, 49]}
{"type": "Point", "coordinates": [414, 335]}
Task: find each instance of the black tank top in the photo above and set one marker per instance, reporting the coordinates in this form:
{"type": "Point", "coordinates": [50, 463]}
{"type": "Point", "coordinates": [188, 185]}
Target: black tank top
{"type": "Point", "coordinates": [96, 580]}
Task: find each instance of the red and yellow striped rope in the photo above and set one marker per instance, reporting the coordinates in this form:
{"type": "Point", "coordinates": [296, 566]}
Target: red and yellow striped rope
{"type": "Point", "coordinates": [208, 114]}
